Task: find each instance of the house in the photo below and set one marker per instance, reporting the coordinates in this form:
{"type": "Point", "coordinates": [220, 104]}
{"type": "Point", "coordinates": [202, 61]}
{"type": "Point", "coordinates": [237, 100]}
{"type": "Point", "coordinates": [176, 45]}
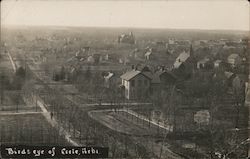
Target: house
{"type": "Point", "coordinates": [109, 80]}
{"type": "Point", "coordinates": [85, 49]}
{"type": "Point", "coordinates": [94, 58]}
{"type": "Point", "coordinates": [217, 63]}
{"type": "Point", "coordinates": [229, 77]}
{"type": "Point", "coordinates": [125, 60]}
{"type": "Point", "coordinates": [136, 84]}
{"type": "Point", "coordinates": [134, 54]}
{"type": "Point", "coordinates": [167, 77]}
{"type": "Point", "coordinates": [90, 59]}
{"type": "Point", "coordinates": [238, 85]}
{"type": "Point", "coordinates": [234, 60]}
{"type": "Point", "coordinates": [148, 55]}
{"type": "Point", "coordinates": [171, 41]}
{"type": "Point", "coordinates": [181, 59]}
{"type": "Point", "coordinates": [161, 80]}
{"type": "Point", "coordinates": [185, 64]}
{"type": "Point", "coordinates": [204, 63]}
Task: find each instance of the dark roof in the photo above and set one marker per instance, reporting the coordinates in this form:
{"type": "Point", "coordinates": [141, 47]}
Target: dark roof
{"type": "Point", "coordinates": [228, 74]}
{"type": "Point", "coordinates": [131, 74]}
{"type": "Point", "coordinates": [157, 76]}
{"type": "Point", "coordinates": [156, 79]}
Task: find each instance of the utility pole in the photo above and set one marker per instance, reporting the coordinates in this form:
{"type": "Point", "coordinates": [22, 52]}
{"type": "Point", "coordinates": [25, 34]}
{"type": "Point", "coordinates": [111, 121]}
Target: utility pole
{"type": "Point", "coordinates": [2, 89]}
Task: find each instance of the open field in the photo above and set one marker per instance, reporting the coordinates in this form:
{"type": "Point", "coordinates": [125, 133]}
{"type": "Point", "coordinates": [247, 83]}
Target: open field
{"type": "Point", "coordinates": [30, 129]}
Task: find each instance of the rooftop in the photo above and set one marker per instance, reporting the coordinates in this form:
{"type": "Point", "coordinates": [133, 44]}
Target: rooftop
{"type": "Point", "coordinates": [181, 58]}
{"type": "Point", "coordinates": [233, 56]}
{"type": "Point", "coordinates": [129, 75]}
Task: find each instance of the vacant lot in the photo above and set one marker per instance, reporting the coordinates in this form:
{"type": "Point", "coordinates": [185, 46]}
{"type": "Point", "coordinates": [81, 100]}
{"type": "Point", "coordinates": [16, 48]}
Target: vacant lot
{"type": "Point", "coordinates": [31, 129]}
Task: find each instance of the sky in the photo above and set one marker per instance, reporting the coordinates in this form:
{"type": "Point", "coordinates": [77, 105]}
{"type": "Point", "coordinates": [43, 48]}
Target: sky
{"type": "Point", "coordinates": [178, 14]}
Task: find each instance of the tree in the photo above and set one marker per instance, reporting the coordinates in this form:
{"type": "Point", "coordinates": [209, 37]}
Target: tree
{"type": "Point", "coordinates": [16, 99]}
{"type": "Point", "coordinates": [21, 72]}
{"type": "Point", "coordinates": [19, 79]}
{"type": "Point", "coordinates": [62, 73]}
{"type": "Point", "coordinates": [88, 74]}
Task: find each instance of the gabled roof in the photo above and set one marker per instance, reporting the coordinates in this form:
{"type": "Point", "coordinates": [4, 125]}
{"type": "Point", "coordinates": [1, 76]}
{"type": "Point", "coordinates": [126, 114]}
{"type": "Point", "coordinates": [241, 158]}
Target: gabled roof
{"type": "Point", "coordinates": [233, 56]}
{"type": "Point", "coordinates": [157, 76]}
{"type": "Point", "coordinates": [228, 74]}
{"type": "Point", "coordinates": [205, 60]}
{"type": "Point", "coordinates": [110, 75]}
{"type": "Point", "coordinates": [148, 53]}
{"type": "Point", "coordinates": [217, 61]}
{"type": "Point", "coordinates": [148, 74]}
{"type": "Point", "coordinates": [131, 74]}
{"type": "Point", "coordinates": [181, 58]}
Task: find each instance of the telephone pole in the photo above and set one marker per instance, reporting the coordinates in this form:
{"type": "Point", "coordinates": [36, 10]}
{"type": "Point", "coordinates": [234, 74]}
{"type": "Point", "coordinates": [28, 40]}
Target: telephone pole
{"type": "Point", "coordinates": [2, 88]}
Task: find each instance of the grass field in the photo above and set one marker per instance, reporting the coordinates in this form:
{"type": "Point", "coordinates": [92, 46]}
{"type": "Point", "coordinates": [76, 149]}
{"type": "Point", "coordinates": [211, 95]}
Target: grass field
{"type": "Point", "coordinates": [30, 129]}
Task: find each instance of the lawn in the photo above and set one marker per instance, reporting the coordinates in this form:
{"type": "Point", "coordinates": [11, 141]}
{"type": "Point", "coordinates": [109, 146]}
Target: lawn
{"type": "Point", "coordinates": [30, 129]}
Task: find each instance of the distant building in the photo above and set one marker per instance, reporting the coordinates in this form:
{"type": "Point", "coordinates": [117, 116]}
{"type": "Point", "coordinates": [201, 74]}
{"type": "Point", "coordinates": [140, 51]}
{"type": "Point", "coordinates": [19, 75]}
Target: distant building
{"type": "Point", "coordinates": [134, 54]}
{"type": "Point", "coordinates": [126, 38]}
{"type": "Point", "coordinates": [148, 55]}
{"type": "Point", "coordinates": [217, 63]}
{"type": "Point", "coordinates": [85, 50]}
{"type": "Point", "coordinates": [161, 79]}
{"type": "Point", "coordinates": [109, 80]}
{"type": "Point", "coordinates": [229, 77]}
{"type": "Point", "coordinates": [111, 57]}
{"type": "Point", "coordinates": [90, 59]}
{"type": "Point", "coordinates": [136, 84]}
{"type": "Point", "coordinates": [184, 64]}
{"type": "Point", "coordinates": [182, 58]}
{"type": "Point", "coordinates": [94, 58]}
{"type": "Point", "coordinates": [171, 41]}
{"type": "Point", "coordinates": [234, 60]}
{"type": "Point", "coordinates": [204, 63]}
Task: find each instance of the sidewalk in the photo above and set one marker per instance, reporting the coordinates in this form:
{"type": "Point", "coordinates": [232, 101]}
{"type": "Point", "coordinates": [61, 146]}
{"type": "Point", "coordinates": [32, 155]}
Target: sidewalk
{"type": "Point", "coordinates": [55, 124]}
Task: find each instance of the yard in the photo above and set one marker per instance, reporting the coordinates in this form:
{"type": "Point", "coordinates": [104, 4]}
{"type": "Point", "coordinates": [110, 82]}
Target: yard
{"type": "Point", "coordinates": [30, 129]}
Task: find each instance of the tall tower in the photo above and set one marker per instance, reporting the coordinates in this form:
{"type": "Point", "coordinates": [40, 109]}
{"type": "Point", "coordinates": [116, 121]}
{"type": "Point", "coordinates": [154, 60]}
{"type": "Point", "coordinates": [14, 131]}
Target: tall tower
{"type": "Point", "coordinates": [191, 51]}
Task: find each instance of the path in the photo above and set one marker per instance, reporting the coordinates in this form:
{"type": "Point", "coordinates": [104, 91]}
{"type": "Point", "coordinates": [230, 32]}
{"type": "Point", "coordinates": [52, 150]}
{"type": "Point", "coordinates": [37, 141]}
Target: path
{"type": "Point", "coordinates": [19, 113]}
{"type": "Point", "coordinates": [12, 62]}
{"type": "Point", "coordinates": [55, 124]}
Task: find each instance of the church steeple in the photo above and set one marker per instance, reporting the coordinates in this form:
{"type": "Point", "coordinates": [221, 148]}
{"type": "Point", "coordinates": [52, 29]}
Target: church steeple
{"type": "Point", "coordinates": [191, 51]}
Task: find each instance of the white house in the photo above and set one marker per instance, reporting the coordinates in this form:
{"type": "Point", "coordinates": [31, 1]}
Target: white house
{"type": "Point", "coordinates": [181, 59]}
{"type": "Point", "coordinates": [217, 63]}
{"type": "Point", "coordinates": [136, 84]}
{"type": "Point", "coordinates": [109, 80]}
{"type": "Point", "coordinates": [234, 60]}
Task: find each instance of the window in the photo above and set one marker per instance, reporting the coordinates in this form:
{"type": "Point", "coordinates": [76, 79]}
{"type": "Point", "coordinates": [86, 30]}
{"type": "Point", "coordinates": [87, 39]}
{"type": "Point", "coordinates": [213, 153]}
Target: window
{"type": "Point", "coordinates": [145, 82]}
{"type": "Point", "coordinates": [132, 83]}
{"type": "Point", "coordinates": [139, 83]}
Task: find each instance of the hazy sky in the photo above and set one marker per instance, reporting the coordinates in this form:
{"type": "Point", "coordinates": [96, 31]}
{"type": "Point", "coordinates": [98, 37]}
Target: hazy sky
{"type": "Point", "coordinates": [181, 14]}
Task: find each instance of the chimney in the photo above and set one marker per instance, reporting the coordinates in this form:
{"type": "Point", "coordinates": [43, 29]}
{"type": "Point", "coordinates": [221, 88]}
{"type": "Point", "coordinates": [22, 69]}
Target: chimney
{"type": "Point", "coordinates": [133, 67]}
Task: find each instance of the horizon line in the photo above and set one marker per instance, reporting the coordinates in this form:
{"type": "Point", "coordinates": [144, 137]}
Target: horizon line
{"type": "Point", "coordinates": [117, 27]}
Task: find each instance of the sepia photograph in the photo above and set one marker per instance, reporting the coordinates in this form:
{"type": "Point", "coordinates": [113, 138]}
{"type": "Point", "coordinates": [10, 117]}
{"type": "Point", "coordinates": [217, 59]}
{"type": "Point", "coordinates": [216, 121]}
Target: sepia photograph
{"type": "Point", "coordinates": [125, 79]}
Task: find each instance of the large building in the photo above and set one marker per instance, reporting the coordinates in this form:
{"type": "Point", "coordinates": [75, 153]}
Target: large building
{"type": "Point", "coordinates": [126, 38]}
{"type": "Point", "coordinates": [136, 84]}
